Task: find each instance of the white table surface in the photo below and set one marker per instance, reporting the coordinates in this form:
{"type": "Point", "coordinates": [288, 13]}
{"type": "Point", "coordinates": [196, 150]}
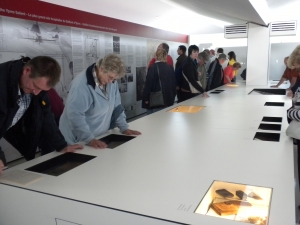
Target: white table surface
{"type": "Point", "coordinates": [177, 158]}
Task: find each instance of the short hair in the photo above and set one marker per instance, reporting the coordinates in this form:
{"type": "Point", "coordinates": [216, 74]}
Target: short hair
{"type": "Point", "coordinates": [182, 48]}
{"type": "Point", "coordinates": [207, 51]}
{"type": "Point", "coordinates": [45, 66]}
{"type": "Point", "coordinates": [237, 65]}
{"type": "Point", "coordinates": [222, 56]}
{"type": "Point", "coordinates": [232, 55]}
{"type": "Point", "coordinates": [112, 63]}
{"type": "Point", "coordinates": [165, 46]}
{"type": "Point", "coordinates": [294, 58]}
{"type": "Point", "coordinates": [212, 52]}
{"type": "Point", "coordinates": [220, 50]}
{"type": "Point", "coordinates": [193, 48]}
{"type": "Point", "coordinates": [204, 56]}
{"type": "Point", "coordinates": [161, 55]}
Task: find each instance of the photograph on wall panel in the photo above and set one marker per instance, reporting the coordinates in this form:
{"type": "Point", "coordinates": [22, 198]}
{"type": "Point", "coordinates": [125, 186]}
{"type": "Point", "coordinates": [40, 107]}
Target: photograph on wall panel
{"type": "Point", "coordinates": [32, 38]}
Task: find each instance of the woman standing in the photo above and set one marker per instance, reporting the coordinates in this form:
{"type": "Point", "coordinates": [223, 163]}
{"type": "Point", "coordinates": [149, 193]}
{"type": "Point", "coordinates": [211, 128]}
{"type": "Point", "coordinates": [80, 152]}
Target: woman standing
{"type": "Point", "coordinates": [160, 77]}
{"type": "Point", "coordinates": [190, 85]}
{"type": "Point", "coordinates": [232, 60]}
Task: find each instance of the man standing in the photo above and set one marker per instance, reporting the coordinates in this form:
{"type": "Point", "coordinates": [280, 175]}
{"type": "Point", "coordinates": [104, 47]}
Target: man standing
{"type": "Point", "coordinates": [182, 56]}
{"type": "Point", "coordinates": [25, 114]}
{"type": "Point", "coordinates": [164, 46]}
{"type": "Point", "coordinates": [190, 85]}
{"type": "Point", "coordinates": [221, 51]}
{"type": "Point", "coordinates": [216, 73]}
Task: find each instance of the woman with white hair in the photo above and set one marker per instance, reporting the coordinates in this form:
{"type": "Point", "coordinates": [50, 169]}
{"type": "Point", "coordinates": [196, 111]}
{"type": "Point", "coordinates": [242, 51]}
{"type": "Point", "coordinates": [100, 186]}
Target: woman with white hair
{"type": "Point", "coordinates": [94, 105]}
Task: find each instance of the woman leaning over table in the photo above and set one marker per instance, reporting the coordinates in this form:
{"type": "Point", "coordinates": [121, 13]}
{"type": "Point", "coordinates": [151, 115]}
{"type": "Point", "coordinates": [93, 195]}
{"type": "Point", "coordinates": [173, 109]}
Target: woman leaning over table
{"type": "Point", "coordinates": [94, 105]}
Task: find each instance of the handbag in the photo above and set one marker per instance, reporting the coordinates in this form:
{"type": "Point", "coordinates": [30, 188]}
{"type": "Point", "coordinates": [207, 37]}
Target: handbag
{"type": "Point", "coordinates": [193, 90]}
{"type": "Point", "coordinates": [156, 98]}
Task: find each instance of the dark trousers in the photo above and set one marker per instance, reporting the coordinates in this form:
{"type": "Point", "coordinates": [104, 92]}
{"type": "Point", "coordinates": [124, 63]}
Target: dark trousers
{"type": "Point", "coordinates": [298, 159]}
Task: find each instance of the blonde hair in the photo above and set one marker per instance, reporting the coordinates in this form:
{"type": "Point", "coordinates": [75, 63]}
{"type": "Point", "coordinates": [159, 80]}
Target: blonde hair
{"type": "Point", "coordinates": [294, 58]}
{"type": "Point", "coordinates": [112, 63]}
{"type": "Point", "coordinates": [161, 55]}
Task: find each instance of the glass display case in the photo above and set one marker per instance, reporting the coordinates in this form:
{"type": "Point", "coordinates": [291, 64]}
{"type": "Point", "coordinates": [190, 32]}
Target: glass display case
{"type": "Point", "coordinates": [239, 202]}
{"type": "Point", "coordinates": [187, 109]}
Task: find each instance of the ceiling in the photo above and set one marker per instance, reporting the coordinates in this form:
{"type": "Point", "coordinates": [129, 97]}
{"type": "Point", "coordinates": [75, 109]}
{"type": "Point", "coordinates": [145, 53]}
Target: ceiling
{"type": "Point", "coordinates": [189, 16]}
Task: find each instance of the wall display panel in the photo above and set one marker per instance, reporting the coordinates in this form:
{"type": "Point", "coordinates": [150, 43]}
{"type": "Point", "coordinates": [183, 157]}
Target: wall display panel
{"type": "Point", "coordinates": [278, 52]}
{"type": "Point", "coordinates": [75, 49]}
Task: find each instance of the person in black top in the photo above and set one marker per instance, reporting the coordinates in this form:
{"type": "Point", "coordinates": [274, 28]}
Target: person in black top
{"type": "Point", "coordinates": [182, 56]}
{"type": "Point", "coordinates": [25, 114]}
{"type": "Point", "coordinates": [167, 79]}
{"type": "Point", "coordinates": [190, 85]}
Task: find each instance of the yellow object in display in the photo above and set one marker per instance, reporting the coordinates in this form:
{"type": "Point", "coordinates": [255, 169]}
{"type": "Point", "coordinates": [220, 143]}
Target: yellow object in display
{"type": "Point", "coordinates": [187, 109]}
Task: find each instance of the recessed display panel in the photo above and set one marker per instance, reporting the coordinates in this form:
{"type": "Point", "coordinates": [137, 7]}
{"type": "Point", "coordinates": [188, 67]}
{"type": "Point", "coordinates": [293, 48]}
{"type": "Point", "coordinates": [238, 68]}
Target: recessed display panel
{"type": "Point", "coordinates": [261, 136]}
{"type": "Point", "coordinates": [268, 126]}
{"type": "Point", "coordinates": [274, 104]}
{"type": "Point", "coordinates": [114, 140]}
{"type": "Point", "coordinates": [61, 164]}
{"type": "Point", "coordinates": [272, 119]}
{"type": "Point", "coordinates": [238, 202]}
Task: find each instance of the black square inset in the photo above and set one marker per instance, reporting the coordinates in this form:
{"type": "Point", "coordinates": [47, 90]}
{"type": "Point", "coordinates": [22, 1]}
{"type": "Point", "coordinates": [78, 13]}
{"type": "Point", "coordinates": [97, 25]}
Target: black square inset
{"type": "Point", "coordinates": [272, 119]}
{"type": "Point", "coordinates": [115, 140]}
{"type": "Point", "coordinates": [267, 136]}
{"type": "Point", "coordinates": [268, 126]}
{"type": "Point", "coordinates": [274, 104]}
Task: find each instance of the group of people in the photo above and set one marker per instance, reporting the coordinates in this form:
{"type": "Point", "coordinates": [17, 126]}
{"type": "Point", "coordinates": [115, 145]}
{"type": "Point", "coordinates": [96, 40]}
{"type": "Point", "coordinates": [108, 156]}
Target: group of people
{"type": "Point", "coordinates": [93, 105]}
{"type": "Point", "coordinates": [195, 73]}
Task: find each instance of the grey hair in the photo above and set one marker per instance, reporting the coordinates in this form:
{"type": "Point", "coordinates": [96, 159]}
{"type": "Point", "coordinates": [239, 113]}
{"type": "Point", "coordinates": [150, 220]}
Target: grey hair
{"type": "Point", "coordinates": [112, 63]}
{"type": "Point", "coordinates": [204, 56]}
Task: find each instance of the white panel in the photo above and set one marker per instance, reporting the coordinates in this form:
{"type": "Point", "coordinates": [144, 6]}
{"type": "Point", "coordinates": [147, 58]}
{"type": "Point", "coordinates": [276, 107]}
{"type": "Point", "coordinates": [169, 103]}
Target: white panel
{"type": "Point", "coordinates": [258, 55]}
{"type": "Point", "coordinates": [236, 31]}
{"type": "Point", "coordinates": [283, 28]}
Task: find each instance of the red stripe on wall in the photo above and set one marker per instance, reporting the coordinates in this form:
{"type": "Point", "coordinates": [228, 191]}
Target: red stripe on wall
{"type": "Point", "coordinates": [50, 13]}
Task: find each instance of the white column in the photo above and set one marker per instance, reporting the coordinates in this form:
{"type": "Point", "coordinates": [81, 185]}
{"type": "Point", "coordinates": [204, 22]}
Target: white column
{"type": "Point", "coordinates": [258, 55]}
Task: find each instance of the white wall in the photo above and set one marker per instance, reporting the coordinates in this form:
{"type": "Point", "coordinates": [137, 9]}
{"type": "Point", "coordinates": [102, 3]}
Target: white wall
{"type": "Point", "coordinates": [258, 55]}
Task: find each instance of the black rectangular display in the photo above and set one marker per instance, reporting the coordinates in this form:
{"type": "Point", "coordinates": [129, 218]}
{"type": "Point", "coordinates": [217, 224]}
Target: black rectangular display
{"type": "Point", "coordinates": [274, 104]}
{"type": "Point", "coordinates": [114, 140]}
{"type": "Point", "coordinates": [272, 119]}
{"type": "Point", "coordinates": [267, 126]}
{"type": "Point", "coordinates": [61, 164]}
{"type": "Point", "coordinates": [267, 136]}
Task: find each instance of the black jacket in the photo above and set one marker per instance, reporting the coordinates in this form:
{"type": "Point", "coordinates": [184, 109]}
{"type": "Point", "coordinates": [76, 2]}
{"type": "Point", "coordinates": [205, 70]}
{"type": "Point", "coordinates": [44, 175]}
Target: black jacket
{"type": "Point", "coordinates": [167, 78]}
{"type": "Point", "coordinates": [190, 71]}
{"type": "Point", "coordinates": [38, 120]}
{"type": "Point", "coordinates": [215, 77]}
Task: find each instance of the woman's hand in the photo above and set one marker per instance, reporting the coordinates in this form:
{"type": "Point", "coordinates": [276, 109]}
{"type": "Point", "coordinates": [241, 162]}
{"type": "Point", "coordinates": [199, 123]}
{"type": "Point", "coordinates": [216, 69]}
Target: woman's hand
{"type": "Point", "coordinates": [97, 144]}
{"type": "Point", "coordinates": [205, 95]}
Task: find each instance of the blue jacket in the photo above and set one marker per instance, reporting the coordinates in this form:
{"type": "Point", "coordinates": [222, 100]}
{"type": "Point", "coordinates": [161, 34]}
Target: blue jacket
{"type": "Point", "coordinates": [88, 112]}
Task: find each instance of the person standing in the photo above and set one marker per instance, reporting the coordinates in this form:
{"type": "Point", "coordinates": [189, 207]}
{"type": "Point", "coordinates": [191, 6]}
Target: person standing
{"type": "Point", "coordinates": [164, 46]}
{"type": "Point", "coordinates": [216, 73]}
{"type": "Point", "coordinates": [160, 77]}
{"type": "Point", "coordinates": [190, 86]}
{"type": "Point", "coordinates": [93, 105]}
{"type": "Point", "coordinates": [231, 61]}
{"type": "Point", "coordinates": [181, 51]}
{"type": "Point", "coordinates": [25, 113]}
{"type": "Point", "coordinates": [203, 58]}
